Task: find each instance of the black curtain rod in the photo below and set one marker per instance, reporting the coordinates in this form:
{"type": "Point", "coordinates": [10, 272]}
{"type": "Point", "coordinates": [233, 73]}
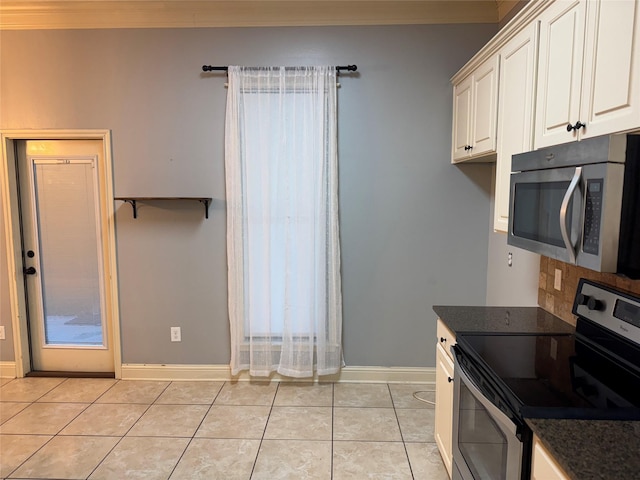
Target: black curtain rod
{"type": "Point", "coordinates": [209, 68]}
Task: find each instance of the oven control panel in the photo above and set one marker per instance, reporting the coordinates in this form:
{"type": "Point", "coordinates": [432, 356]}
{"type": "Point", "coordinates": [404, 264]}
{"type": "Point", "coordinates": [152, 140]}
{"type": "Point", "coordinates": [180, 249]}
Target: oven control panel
{"type": "Point", "coordinates": [615, 310]}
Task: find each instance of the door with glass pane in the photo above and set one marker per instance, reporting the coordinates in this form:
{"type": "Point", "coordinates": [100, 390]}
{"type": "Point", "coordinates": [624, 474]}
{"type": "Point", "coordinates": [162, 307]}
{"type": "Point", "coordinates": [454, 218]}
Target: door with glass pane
{"type": "Point", "coordinates": [62, 211]}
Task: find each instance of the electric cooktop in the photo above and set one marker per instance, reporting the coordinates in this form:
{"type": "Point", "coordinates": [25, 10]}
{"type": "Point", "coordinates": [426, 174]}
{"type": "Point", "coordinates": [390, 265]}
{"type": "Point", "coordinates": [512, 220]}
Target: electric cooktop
{"type": "Point", "coordinates": [593, 374]}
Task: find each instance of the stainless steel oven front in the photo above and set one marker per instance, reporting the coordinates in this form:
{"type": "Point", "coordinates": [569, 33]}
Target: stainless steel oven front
{"type": "Point", "coordinates": [488, 444]}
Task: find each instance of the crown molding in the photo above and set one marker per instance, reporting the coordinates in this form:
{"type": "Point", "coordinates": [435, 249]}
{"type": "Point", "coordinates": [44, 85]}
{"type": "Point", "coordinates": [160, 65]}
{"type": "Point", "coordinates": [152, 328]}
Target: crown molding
{"type": "Point", "coordinates": [92, 14]}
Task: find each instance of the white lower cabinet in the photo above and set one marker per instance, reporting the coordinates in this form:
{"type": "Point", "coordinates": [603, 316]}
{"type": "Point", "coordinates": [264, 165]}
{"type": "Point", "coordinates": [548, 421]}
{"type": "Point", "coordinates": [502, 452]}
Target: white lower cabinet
{"type": "Point", "coordinates": [443, 428]}
{"type": "Point", "coordinates": [543, 466]}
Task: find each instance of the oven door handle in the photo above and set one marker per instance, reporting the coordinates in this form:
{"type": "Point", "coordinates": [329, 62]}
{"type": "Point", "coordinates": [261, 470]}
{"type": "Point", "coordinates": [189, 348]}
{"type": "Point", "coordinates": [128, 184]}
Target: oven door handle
{"type": "Point", "coordinates": [564, 207]}
{"type": "Point", "coordinates": [460, 374]}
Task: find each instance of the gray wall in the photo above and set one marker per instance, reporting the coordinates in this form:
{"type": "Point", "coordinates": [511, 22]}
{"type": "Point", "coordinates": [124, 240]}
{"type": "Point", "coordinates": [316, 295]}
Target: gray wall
{"type": "Point", "coordinates": [413, 227]}
{"type": "Point", "coordinates": [516, 285]}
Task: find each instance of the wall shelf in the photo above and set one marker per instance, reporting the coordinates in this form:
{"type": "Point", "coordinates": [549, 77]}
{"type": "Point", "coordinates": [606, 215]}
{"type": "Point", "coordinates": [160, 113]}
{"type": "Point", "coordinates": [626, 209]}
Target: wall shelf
{"type": "Point", "coordinates": [206, 201]}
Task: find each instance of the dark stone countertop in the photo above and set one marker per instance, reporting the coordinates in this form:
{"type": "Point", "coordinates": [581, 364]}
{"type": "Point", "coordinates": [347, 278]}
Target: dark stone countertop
{"type": "Point", "coordinates": [469, 319]}
{"type": "Point", "coordinates": [585, 449]}
{"type": "Point", "coordinates": [592, 449]}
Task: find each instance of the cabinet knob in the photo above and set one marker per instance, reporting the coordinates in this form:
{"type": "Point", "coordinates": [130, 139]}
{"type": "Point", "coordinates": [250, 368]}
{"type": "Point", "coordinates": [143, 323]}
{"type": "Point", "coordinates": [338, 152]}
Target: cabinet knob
{"type": "Point", "coordinates": [468, 147]}
{"type": "Point", "coordinates": [449, 379]}
{"type": "Point", "coordinates": [577, 126]}
{"type": "Point", "coordinates": [442, 339]}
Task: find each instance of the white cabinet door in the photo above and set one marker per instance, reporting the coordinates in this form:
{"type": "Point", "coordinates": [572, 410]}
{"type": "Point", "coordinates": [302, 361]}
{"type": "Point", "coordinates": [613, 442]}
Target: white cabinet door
{"type": "Point", "coordinates": [462, 112]}
{"type": "Point", "coordinates": [443, 427]}
{"type": "Point", "coordinates": [543, 466]}
{"type": "Point", "coordinates": [515, 125]}
{"type": "Point", "coordinates": [562, 28]}
{"type": "Point", "coordinates": [611, 80]}
{"type": "Point", "coordinates": [485, 104]}
{"type": "Point", "coordinates": [588, 71]}
{"type": "Point", "coordinates": [475, 106]}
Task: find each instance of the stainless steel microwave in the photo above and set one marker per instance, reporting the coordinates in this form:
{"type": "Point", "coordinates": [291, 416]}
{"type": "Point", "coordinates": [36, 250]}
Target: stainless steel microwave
{"type": "Point", "coordinates": [580, 203]}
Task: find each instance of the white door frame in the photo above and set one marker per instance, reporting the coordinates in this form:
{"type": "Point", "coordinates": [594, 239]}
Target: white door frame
{"type": "Point", "coordinates": [9, 191]}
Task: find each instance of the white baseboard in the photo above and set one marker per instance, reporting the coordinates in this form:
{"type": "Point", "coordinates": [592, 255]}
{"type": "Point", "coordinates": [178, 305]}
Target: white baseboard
{"type": "Point", "coordinates": [133, 371]}
{"type": "Point", "coordinates": [7, 369]}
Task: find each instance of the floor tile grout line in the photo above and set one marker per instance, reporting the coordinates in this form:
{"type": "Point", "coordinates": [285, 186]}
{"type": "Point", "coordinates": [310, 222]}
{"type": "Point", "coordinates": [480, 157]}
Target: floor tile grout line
{"type": "Point", "coordinates": [107, 390]}
{"type": "Point", "coordinates": [37, 398]}
{"type": "Point", "coordinates": [30, 456]}
{"type": "Point", "coordinates": [128, 430]}
{"type": "Point", "coordinates": [55, 434]}
{"type": "Point", "coordinates": [404, 444]}
{"type": "Point", "coordinates": [273, 401]}
{"type": "Point", "coordinates": [7, 419]}
{"type": "Point", "coordinates": [195, 432]}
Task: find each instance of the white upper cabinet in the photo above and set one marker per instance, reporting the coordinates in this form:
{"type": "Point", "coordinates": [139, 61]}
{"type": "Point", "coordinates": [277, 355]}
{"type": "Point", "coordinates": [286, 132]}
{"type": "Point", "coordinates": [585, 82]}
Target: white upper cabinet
{"type": "Point", "coordinates": [515, 119]}
{"type": "Point", "coordinates": [475, 102]}
{"type": "Point", "coordinates": [559, 72]}
{"type": "Point", "coordinates": [588, 70]}
{"type": "Point", "coordinates": [611, 80]}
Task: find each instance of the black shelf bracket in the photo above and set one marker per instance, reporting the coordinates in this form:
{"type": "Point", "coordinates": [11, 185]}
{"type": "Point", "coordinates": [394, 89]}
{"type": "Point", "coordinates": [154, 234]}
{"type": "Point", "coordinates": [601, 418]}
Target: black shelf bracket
{"type": "Point", "coordinates": [133, 201]}
{"type": "Point", "coordinates": [205, 202]}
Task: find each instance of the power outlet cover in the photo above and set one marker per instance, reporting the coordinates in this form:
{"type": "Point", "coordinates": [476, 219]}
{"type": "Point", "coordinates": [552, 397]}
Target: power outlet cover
{"type": "Point", "coordinates": [176, 334]}
{"type": "Point", "coordinates": [557, 280]}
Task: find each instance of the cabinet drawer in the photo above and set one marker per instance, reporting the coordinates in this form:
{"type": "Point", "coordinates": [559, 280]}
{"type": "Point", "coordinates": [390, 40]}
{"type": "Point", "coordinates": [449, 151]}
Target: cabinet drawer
{"type": "Point", "coordinates": [446, 337]}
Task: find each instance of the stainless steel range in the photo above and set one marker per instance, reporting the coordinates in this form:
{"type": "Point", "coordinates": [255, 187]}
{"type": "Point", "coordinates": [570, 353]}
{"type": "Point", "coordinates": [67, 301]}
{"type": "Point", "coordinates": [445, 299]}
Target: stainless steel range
{"type": "Point", "coordinates": [501, 379]}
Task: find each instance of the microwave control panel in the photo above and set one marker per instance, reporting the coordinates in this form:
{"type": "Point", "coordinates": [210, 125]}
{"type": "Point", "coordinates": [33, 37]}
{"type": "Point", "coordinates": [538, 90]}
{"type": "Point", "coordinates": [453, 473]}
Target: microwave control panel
{"type": "Point", "coordinates": [592, 215]}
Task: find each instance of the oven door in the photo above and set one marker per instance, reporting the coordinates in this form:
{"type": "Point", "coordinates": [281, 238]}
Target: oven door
{"type": "Point", "coordinates": [485, 441]}
{"type": "Point", "coordinates": [571, 214]}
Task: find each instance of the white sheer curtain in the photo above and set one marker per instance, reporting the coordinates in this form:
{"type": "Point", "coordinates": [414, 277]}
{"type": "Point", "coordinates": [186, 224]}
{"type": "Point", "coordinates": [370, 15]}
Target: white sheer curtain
{"type": "Point", "coordinates": [285, 303]}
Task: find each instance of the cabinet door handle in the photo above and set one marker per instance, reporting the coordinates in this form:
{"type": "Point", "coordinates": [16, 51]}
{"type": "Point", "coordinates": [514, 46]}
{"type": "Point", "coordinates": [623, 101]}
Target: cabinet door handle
{"type": "Point", "coordinates": [577, 126]}
{"type": "Point", "coordinates": [467, 147]}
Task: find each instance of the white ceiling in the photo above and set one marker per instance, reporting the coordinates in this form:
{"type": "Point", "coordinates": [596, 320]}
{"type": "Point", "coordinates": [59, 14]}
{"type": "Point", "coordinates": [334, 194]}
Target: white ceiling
{"type": "Point", "coordinates": [71, 14]}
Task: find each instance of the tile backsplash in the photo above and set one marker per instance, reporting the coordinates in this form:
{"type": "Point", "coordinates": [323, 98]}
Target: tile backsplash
{"type": "Point", "coordinates": [560, 302]}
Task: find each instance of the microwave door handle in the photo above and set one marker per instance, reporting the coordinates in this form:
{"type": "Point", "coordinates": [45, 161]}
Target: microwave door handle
{"type": "Point", "coordinates": [564, 228]}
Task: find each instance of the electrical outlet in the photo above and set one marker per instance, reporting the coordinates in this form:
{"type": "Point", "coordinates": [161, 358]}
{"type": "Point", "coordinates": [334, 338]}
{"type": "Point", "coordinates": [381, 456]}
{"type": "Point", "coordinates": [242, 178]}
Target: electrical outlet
{"type": "Point", "coordinates": [176, 334]}
{"type": "Point", "coordinates": [557, 280]}
{"type": "Point", "coordinates": [2, 337]}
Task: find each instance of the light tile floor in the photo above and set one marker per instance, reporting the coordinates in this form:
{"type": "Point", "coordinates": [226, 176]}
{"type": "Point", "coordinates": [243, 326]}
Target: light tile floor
{"type": "Point", "coordinates": [107, 429]}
